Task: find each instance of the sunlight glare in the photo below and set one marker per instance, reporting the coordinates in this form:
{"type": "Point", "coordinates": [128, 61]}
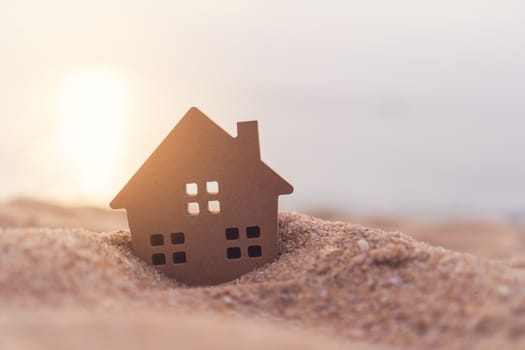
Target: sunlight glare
{"type": "Point", "coordinates": [92, 101]}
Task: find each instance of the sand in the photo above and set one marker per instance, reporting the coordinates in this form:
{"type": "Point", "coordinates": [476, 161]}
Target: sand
{"type": "Point", "coordinates": [494, 237]}
{"type": "Point", "coordinates": [28, 212]}
{"type": "Point", "coordinates": [335, 285]}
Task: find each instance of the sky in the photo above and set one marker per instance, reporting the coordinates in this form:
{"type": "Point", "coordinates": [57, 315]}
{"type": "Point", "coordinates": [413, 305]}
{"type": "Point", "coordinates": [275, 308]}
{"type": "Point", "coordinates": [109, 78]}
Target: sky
{"type": "Point", "coordinates": [365, 106]}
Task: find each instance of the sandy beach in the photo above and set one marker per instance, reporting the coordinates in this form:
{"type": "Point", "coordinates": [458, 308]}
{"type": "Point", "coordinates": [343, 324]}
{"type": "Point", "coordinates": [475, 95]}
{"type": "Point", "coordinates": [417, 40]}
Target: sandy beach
{"type": "Point", "coordinates": [335, 285]}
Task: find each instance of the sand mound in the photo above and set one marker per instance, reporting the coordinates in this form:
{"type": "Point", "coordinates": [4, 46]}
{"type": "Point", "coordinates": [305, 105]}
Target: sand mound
{"type": "Point", "coordinates": [493, 237]}
{"type": "Point", "coordinates": [333, 278]}
{"type": "Point", "coordinates": [28, 212]}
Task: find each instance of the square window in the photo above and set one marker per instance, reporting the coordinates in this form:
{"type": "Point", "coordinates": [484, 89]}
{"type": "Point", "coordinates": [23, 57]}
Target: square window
{"type": "Point", "coordinates": [214, 207]}
{"type": "Point", "coordinates": [232, 233]}
{"type": "Point", "coordinates": [253, 232]}
{"type": "Point", "coordinates": [233, 253]}
{"type": "Point", "coordinates": [254, 251]}
{"type": "Point", "coordinates": [193, 208]}
{"type": "Point", "coordinates": [212, 187]}
{"type": "Point", "coordinates": [156, 240]}
{"type": "Point", "coordinates": [177, 238]}
{"type": "Point", "coordinates": [158, 259]}
{"type": "Point", "coordinates": [179, 257]}
{"type": "Point", "coordinates": [192, 189]}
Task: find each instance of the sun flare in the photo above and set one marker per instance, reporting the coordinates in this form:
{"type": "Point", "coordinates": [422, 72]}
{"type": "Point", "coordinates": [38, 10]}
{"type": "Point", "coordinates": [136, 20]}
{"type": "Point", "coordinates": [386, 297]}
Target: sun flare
{"type": "Point", "coordinates": [92, 103]}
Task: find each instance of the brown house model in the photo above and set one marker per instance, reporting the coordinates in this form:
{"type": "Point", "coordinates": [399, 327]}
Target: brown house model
{"type": "Point", "coordinates": [203, 207]}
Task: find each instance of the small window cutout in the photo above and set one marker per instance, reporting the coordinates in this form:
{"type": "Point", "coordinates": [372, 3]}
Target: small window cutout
{"type": "Point", "coordinates": [193, 208]}
{"type": "Point", "coordinates": [254, 251]}
{"type": "Point", "coordinates": [212, 187]}
{"type": "Point", "coordinates": [156, 240]}
{"type": "Point", "coordinates": [232, 233]}
{"type": "Point", "coordinates": [233, 253]}
{"type": "Point", "coordinates": [158, 259]}
{"type": "Point", "coordinates": [214, 207]}
{"type": "Point", "coordinates": [179, 257]}
{"type": "Point", "coordinates": [253, 232]}
{"type": "Point", "coordinates": [177, 238]}
{"type": "Point", "coordinates": [192, 189]}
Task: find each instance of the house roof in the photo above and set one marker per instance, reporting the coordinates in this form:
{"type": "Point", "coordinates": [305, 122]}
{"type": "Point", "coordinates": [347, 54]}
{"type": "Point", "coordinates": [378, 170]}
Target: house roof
{"type": "Point", "coordinates": [194, 128]}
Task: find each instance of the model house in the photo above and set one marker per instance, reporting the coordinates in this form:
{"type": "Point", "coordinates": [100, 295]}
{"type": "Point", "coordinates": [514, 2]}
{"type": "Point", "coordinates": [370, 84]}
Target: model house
{"type": "Point", "coordinates": [203, 207]}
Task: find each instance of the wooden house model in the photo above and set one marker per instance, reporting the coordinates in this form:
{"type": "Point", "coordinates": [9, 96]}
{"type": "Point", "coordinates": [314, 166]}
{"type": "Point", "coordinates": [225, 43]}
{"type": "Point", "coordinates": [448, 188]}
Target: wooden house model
{"type": "Point", "coordinates": [203, 207]}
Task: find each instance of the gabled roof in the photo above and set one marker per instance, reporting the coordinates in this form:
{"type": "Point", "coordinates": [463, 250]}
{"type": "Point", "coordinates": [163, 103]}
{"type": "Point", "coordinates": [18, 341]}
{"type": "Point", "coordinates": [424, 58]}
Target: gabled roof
{"type": "Point", "coordinates": [194, 127]}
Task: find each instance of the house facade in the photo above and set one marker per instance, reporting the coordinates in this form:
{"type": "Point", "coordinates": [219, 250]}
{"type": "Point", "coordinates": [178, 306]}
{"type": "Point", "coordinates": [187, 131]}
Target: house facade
{"type": "Point", "coordinates": [203, 207]}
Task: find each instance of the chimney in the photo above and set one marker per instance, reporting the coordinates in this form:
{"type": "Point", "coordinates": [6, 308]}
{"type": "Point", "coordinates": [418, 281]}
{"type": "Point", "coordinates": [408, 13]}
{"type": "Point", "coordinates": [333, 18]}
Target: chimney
{"type": "Point", "coordinates": [248, 138]}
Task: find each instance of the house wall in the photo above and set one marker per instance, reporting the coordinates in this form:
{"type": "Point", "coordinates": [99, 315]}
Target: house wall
{"type": "Point", "coordinates": [205, 240]}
